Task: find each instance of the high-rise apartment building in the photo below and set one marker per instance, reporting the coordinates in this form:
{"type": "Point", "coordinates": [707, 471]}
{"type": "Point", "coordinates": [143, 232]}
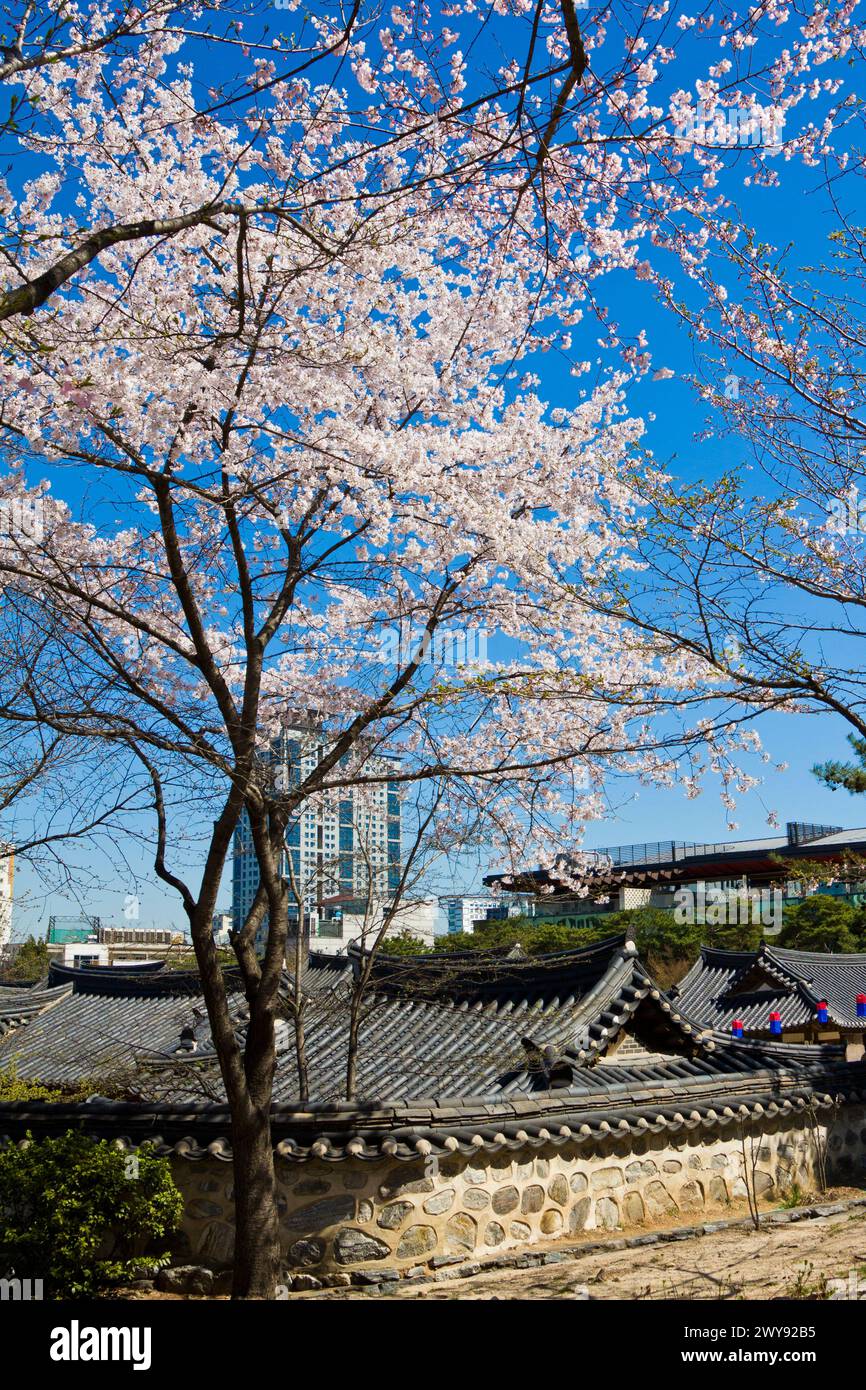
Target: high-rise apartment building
{"type": "Point", "coordinates": [336, 847]}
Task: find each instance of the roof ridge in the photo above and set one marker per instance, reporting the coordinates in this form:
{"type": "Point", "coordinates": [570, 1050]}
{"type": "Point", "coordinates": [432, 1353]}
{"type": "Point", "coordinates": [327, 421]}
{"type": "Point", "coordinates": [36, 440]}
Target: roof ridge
{"type": "Point", "coordinates": [820, 957]}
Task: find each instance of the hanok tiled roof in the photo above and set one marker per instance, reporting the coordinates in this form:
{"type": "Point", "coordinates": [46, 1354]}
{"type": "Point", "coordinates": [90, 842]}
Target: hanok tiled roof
{"type": "Point", "coordinates": [492, 1056]}
{"type": "Point", "coordinates": [20, 1003]}
{"type": "Point", "coordinates": [433, 1027]}
{"type": "Point", "coordinates": [724, 985]}
{"type": "Point", "coordinates": [104, 1025]}
{"type": "Point", "coordinates": [462, 1025]}
{"type": "Point", "coordinates": [410, 1131]}
{"type": "Point", "coordinates": [324, 973]}
{"type": "Point", "coordinates": [119, 980]}
{"type": "Point", "coordinates": [474, 976]}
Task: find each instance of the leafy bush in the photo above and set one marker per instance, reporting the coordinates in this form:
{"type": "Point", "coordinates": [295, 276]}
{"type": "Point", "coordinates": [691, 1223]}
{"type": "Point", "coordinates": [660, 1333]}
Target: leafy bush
{"type": "Point", "coordinates": [403, 943]}
{"type": "Point", "coordinates": [735, 936]}
{"type": "Point", "coordinates": [794, 1196]}
{"type": "Point", "coordinates": [30, 961]}
{"type": "Point", "coordinates": [667, 945]}
{"type": "Point", "coordinates": [13, 1087]}
{"type": "Point", "coordinates": [657, 934]}
{"type": "Point", "coordinates": [183, 958]}
{"type": "Point", "coordinates": [80, 1214]}
{"type": "Point", "coordinates": [858, 927]}
{"type": "Point", "coordinates": [536, 937]}
{"type": "Point", "coordinates": [820, 923]}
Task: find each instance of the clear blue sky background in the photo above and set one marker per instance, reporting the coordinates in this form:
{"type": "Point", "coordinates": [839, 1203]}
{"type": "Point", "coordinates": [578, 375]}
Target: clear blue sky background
{"type": "Point", "coordinates": [637, 814]}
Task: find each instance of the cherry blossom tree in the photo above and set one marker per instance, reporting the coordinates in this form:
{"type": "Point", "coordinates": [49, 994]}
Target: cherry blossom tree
{"type": "Point", "coordinates": [269, 368]}
{"type": "Point", "coordinates": [589, 136]}
{"type": "Point", "coordinates": [263, 510]}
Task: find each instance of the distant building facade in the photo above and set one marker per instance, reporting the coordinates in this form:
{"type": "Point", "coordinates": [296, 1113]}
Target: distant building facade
{"type": "Point", "coordinates": [83, 954]}
{"type": "Point", "coordinates": [462, 911]}
{"type": "Point", "coordinates": [223, 923]}
{"type": "Point", "coordinates": [139, 936]}
{"type": "Point", "coordinates": [649, 875]}
{"type": "Point", "coordinates": [335, 848]}
{"type": "Point", "coordinates": [90, 941]}
{"type": "Point", "coordinates": [418, 917]}
{"type": "Point", "coordinates": [345, 921]}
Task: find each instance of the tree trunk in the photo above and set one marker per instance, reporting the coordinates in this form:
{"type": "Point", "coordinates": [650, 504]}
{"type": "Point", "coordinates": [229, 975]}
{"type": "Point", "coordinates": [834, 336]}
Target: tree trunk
{"type": "Point", "coordinates": [352, 1054]}
{"type": "Point", "coordinates": [301, 1054]}
{"type": "Point", "coordinates": [257, 1231]}
{"type": "Point", "coordinates": [301, 956]}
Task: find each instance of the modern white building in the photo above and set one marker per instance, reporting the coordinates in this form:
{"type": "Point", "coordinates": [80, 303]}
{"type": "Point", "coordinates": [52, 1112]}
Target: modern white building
{"type": "Point", "coordinates": [462, 910]}
{"type": "Point", "coordinates": [418, 916]}
{"type": "Point", "coordinates": [223, 922]}
{"type": "Point", "coordinates": [7, 881]}
{"type": "Point", "coordinates": [343, 922]}
{"type": "Point", "coordinates": [88, 941]}
{"type": "Point", "coordinates": [83, 955]}
{"type": "Point", "coordinates": [335, 848]}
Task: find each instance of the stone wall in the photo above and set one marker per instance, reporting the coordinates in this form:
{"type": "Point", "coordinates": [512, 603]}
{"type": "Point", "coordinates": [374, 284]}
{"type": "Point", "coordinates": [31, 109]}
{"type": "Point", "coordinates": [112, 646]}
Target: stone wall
{"type": "Point", "coordinates": [351, 1214]}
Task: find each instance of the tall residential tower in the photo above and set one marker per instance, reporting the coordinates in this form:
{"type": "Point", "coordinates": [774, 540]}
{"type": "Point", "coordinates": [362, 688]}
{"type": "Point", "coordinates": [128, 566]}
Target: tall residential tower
{"type": "Point", "coordinates": [336, 848]}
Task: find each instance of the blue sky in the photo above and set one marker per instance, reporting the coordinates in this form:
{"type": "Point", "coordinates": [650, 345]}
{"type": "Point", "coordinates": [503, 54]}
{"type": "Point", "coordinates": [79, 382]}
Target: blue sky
{"type": "Point", "coordinates": [638, 814]}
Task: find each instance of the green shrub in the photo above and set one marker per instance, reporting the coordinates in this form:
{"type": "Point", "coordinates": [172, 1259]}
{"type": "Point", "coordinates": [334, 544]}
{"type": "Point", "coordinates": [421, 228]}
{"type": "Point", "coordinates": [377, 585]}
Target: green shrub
{"type": "Point", "coordinates": [658, 933]}
{"type": "Point", "coordinates": [794, 1196]}
{"type": "Point", "coordinates": [820, 923]}
{"type": "Point", "coordinates": [403, 943]}
{"type": "Point", "coordinates": [81, 1214]}
{"type": "Point", "coordinates": [735, 936]}
{"type": "Point", "coordinates": [661, 939]}
{"type": "Point", "coordinates": [183, 958]}
{"type": "Point", "coordinates": [30, 961]}
{"type": "Point", "coordinates": [536, 937]}
{"type": "Point", "coordinates": [14, 1087]}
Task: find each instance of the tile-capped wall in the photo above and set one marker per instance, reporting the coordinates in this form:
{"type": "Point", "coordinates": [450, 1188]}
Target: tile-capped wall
{"type": "Point", "coordinates": [354, 1214]}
